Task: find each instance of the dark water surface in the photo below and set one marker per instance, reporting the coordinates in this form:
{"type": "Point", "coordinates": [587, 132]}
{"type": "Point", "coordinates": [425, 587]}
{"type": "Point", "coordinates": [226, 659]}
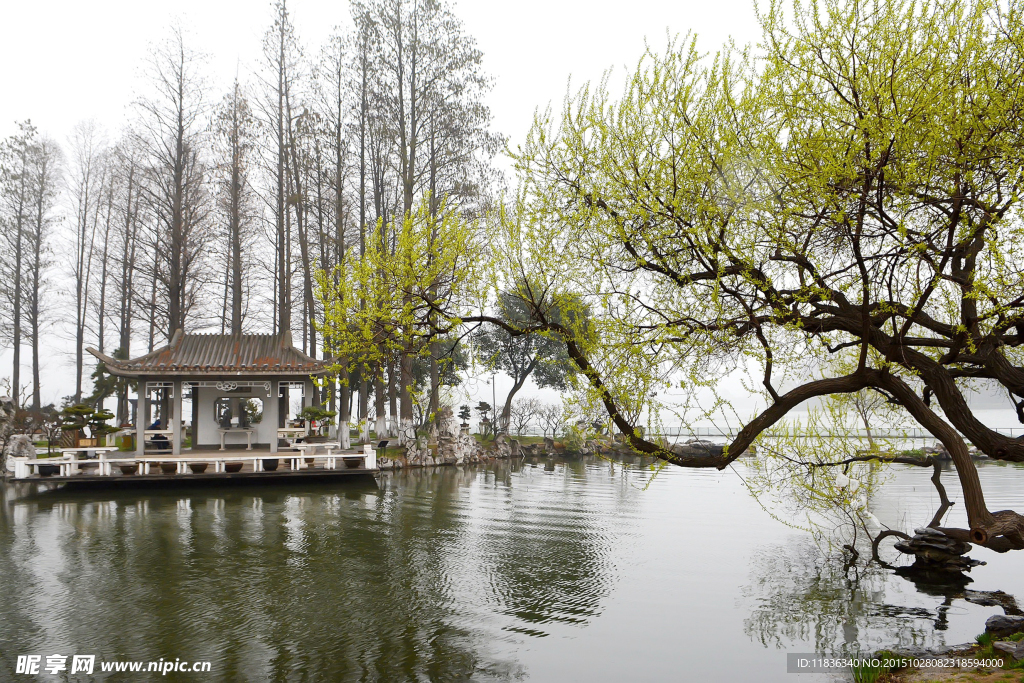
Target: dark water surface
{"type": "Point", "coordinates": [561, 570]}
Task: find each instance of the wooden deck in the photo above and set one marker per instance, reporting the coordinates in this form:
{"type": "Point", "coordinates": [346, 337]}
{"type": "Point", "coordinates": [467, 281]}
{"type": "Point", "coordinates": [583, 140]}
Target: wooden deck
{"type": "Point", "coordinates": [206, 479]}
{"type": "Point", "coordinates": [292, 466]}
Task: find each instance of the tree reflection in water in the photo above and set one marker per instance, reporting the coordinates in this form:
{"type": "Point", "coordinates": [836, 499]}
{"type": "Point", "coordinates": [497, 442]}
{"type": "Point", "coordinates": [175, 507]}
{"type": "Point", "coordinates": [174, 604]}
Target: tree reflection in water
{"type": "Point", "coordinates": [803, 596]}
{"type": "Point", "coordinates": [414, 580]}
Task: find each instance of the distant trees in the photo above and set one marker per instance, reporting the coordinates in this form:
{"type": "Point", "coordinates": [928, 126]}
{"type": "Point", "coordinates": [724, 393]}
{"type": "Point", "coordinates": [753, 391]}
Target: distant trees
{"type": "Point", "coordinates": [204, 217]}
{"type": "Point", "coordinates": [521, 356]}
{"type": "Point", "coordinates": [45, 186]}
{"type": "Point", "coordinates": [29, 185]}
{"type": "Point", "coordinates": [15, 164]}
{"type": "Point", "coordinates": [553, 419]}
{"type": "Point", "coordinates": [522, 414]}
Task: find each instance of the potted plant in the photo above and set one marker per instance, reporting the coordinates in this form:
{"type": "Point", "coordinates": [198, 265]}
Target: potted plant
{"type": "Point", "coordinates": [233, 466]}
{"type": "Point", "coordinates": [129, 469]}
{"type": "Point", "coordinates": [270, 464]}
{"type": "Point", "coordinates": [169, 467]}
{"type": "Point", "coordinates": [47, 470]}
{"type": "Point", "coordinates": [197, 467]}
{"type": "Point", "coordinates": [464, 414]}
{"type": "Point", "coordinates": [318, 418]}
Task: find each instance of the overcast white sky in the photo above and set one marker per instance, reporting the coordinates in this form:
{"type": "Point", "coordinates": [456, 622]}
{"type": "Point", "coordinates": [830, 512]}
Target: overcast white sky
{"type": "Point", "coordinates": [68, 61]}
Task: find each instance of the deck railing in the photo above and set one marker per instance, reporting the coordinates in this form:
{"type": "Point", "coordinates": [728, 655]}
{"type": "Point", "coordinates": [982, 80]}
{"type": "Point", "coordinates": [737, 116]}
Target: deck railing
{"type": "Point", "coordinates": [25, 467]}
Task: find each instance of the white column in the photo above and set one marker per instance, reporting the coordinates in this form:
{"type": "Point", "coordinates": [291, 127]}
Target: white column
{"type": "Point", "coordinates": [141, 416]}
{"type": "Point", "coordinates": [307, 398]}
{"type": "Point", "coordinates": [176, 418]}
{"type": "Point", "coordinates": [270, 416]}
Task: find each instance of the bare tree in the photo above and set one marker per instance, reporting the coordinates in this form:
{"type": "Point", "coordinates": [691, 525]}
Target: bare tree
{"type": "Point", "coordinates": [45, 179]}
{"type": "Point", "coordinates": [281, 63]}
{"type": "Point", "coordinates": [15, 191]}
{"type": "Point", "coordinates": [234, 126]}
{"type": "Point", "coordinates": [552, 418]}
{"type": "Point", "coordinates": [523, 412]}
{"type": "Point", "coordinates": [128, 209]}
{"type": "Point", "coordinates": [85, 181]}
{"type": "Point", "coordinates": [171, 136]}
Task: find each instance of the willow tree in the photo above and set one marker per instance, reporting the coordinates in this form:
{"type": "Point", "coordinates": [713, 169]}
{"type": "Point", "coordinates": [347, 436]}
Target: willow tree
{"type": "Point", "coordinates": [394, 302]}
{"type": "Point", "coordinates": [850, 190]}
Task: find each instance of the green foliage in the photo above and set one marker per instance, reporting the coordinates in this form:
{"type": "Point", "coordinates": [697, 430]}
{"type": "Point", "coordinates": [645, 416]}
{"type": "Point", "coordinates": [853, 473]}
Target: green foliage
{"type": "Point", "coordinates": [738, 212]}
{"type": "Point", "coordinates": [987, 651]}
{"type": "Point", "coordinates": [320, 415]}
{"type": "Point", "coordinates": [540, 355]}
{"type": "Point", "coordinates": [404, 293]}
{"type": "Point", "coordinates": [106, 384]}
{"type": "Point", "coordinates": [82, 417]}
{"type": "Point", "coordinates": [868, 673]}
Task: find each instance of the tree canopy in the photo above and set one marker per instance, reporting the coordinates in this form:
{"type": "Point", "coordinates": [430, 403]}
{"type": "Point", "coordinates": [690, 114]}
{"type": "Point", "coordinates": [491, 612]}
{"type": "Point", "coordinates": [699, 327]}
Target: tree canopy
{"type": "Point", "coordinates": [839, 209]}
{"type": "Point", "coordinates": [521, 356]}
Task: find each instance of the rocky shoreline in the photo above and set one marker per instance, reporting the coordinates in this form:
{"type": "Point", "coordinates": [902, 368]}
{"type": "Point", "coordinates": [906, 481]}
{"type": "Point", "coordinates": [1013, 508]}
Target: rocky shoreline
{"type": "Point", "coordinates": [458, 447]}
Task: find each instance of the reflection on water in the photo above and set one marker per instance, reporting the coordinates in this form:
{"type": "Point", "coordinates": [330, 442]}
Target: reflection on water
{"type": "Point", "coordinates": [802, 597]}
{"type": "Point", "coordinates": [545, 570]}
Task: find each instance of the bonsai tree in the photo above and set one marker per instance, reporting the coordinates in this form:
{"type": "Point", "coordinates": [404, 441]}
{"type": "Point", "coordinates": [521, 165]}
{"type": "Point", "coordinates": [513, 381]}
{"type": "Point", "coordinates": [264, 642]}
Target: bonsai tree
{"type": "Point", "coordinates": [76, 419]}
{"type": "Point", "coordinates": [464, 415]}
{"type": "Point", "coordinates": [98, 426]}
{"type": "Point", "coordinates": [484, 408]}
{"type": "Point", "coordinates": [81, 417]}
{"type": "Point", "coordinates": [319, 417]}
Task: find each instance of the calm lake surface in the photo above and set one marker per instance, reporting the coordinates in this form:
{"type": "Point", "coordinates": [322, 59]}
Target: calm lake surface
{"type": "Point", "coordinates": [556, 570]}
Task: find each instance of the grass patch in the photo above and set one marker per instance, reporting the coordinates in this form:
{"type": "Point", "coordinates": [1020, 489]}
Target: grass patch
{"type": "Point", "coordinates": [986, 651]}
{"type": "Point", "coordinates": [869, 673]}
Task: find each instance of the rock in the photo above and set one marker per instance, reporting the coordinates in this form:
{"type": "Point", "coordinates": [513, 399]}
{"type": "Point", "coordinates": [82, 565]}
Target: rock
{"type": "Point", "coordinates": [695, 447]}
{"type": "Point", "coordinates": [918, 652]}
{"type": "Point", "coordinates": [549, 444]}
{"type": "Point", "coordinates": [447, 425]}
{"type": "Point", "coordinates": [1014, 649]}
{"type": "Point", "coordinates": [934, 551]}
{"type": "Point", "coordinates": [502, 448]}
{"type": "Point", "coordinates": [1004, 624]}
{"type": "Point", "coordinates": [516, 448]}
{"type": "Point", "coordinates": [21, 446]}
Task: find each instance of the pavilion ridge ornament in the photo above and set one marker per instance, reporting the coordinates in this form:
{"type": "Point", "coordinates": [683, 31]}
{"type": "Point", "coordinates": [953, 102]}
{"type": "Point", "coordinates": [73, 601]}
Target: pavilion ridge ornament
{"type": "Point", "coordinates": [232, 385]}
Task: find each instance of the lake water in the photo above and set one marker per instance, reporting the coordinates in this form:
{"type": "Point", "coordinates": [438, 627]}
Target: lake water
{"type": "Point", "coordinates": [555, 570]}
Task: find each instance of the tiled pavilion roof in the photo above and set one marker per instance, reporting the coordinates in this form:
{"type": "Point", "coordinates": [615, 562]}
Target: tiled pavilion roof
{"type": "Point", "coordinates": [219, 354]}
